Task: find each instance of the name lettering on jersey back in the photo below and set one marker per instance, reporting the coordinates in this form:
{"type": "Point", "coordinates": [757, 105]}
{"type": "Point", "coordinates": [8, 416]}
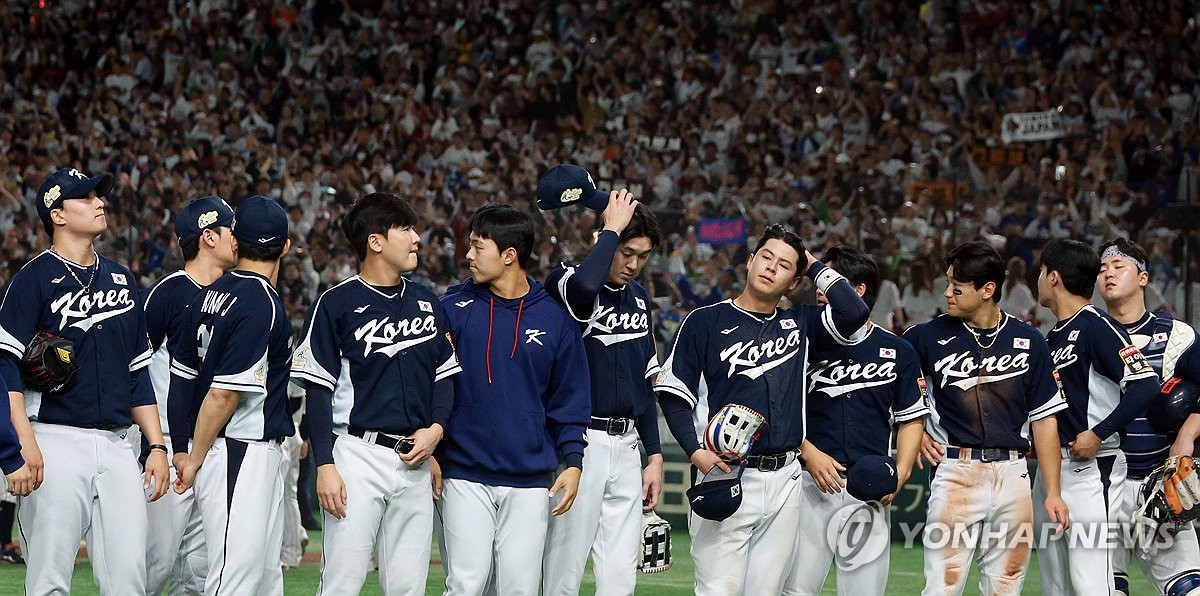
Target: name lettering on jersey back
{"type": "Point", "coordinates": [839, 378]}
{"type": "Point", "coordinates": [610, 327]}
{"type": "Point", "coordinates": [753, 360]}
{"type": "Point", "coordinates": [78, 306]}
{"type": "Point", "coordinates": [1064, 356]}
{"type": "Point", "coordinates": [383, 332]}
{"type": "Point", "coordinates": [217, 303]}
{"type": "Point", "coordinates": [962, 366]}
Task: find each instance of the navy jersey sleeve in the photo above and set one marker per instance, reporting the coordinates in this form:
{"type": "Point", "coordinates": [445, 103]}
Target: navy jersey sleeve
{"type": "Point", "coordinates": [19, 312]}
{"type": "Point", "coordinates": [846, 312]}
{"type": "Point", "coordinates": [237, 347]}
{"type": "Point", "coordinates": [1115, 357]}
{"type": "Point", "coordinates": [577, 287]}
{"type": "Point", "coordinates": [155, 303]}
{"type": "Point", "coordinates": [10, 445]}
{"type": "Point", "coordinates": [683, 367]}
{"type": "Point", "coordinates": [909, 399]}
{"type": "Point", "coordinates": [443, 383]}
{"type": "Point", "coordinates": [647, 421]}
{"type": "Point", "coordinates": [1044, 395]}
{"type": "Point", "coordinates": [317, 364]}
{"type": "Point", "coordinates": [185, 365]}
{"type": "Point", "coordinates": [569, 396]}
{"type": "Point", "coordinates": [143, 393]}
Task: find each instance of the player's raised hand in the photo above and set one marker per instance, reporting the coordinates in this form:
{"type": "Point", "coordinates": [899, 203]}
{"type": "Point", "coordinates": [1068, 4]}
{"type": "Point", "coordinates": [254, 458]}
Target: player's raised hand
{"type": "Point", "coordinates": [705, 460]}
{"type": "Point", "coordinates": [331, 491]}
{"type": "Point", "coordinates": [619, 211]}
{"type": "Point", "coordinates": [652, 481]}
{"type": "Point", "coordinates": [931, 451]}
{"type": "Point", "coordinates": [809, 259]}
{"type": "Point", "coordinates": [424, 441]}
{"type": "Point", "coordinates": [1085, 445]}
{"type": "Point", "coordinates": [568, 483]}
{"type": "Point", "coordinates": [157, 473]}
{"type": "Point", "coordinates": [1059, 514]}
{"type": "Point", "coordinates": [20, 482]}
{"type": "Point", "coordinates": [826, 471]}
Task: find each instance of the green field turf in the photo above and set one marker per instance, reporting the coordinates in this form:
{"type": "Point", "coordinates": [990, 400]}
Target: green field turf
{"type": "Point", "coordinates": [906, 576]}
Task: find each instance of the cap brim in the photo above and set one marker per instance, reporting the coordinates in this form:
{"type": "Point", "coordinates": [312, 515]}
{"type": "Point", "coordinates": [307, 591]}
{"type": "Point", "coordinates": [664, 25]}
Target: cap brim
{"type": "Point", "coordinates": [597, 201]}
{"type": "Point", "coordinates": [102, 184]}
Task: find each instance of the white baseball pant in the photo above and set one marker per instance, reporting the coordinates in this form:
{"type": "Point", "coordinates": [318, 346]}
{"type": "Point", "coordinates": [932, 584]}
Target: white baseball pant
{"type": "Point", "coordinates": [175, 545]}
{"type": "Point", "coordinates": [752, 551]}
{"type": "Point", "coordinates": [389, 509]}
{"type": "Point", "coordinates": [240, 492]}
{"type": "Point", "coordinates": [971, 496]}
{"type": "Point", "coordinates": [605, 520]}
{"type": "Point", "coordinates": [1080, 561]}
{"type": "Point", "coordinates": [92, 486]}
{"type": "Point", "coordinates": [1169, 561]}
{"type": "Point", "coordinates": [294, 533]}
{"type": "Point", "coordinates": [814, 553]}
{"type": "Point", "coordinates": [482, 523]}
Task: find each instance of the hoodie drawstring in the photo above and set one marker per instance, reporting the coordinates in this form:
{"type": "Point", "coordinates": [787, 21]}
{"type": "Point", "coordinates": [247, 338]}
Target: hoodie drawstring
{"type": "Point", "coordinates": [517, 329]}
{"type": "Point", "coordinates": [491, 316]}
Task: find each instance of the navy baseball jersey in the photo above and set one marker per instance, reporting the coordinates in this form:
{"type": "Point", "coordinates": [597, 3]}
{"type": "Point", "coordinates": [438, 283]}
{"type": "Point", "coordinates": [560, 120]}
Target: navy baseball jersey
{"type": "Point", "coordinates": [615, 322]}
{"type": "Point", "coordinates": [166, 304]}
{"type": "Point", "coordinates": [723, 354]}
{"type": "Point", "coordinates": [1104, 376]}
{"type": "Point", "coordinates": [98, 309]}
{"type": "Point", "coordinates": [856, 391]}
{"type": "Point", "coordinates": [381, 351]}
{"type": "Point", "coordinates": [985, 397]}
{"type": "Point", "coordinates": [240, 341]}
{"type": "Point", "coordinates": [1169, 345]}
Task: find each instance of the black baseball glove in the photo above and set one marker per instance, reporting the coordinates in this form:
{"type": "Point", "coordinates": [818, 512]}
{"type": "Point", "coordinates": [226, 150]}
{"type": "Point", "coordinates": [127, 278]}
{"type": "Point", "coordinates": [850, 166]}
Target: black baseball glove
{"type": "Point", "coordinates": [49, 363]}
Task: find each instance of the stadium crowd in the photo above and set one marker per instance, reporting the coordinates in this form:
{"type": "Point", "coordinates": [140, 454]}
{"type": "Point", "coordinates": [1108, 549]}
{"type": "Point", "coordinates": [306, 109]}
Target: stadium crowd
{"type": "Point", "coordinates": [863, 122]}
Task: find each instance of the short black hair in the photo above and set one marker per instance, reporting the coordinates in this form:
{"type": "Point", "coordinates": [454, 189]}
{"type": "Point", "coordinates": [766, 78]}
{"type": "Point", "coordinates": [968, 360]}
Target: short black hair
{"type": "Point", "coordinates": [977, 262]}
{"type": "Point", "coordinates": [643, 224]}
{"type": "Point", "coordinates": [788, 237]}
{"type": "Point", "coordinates": [1075, 262]}
{"type": "Point", "coordinates": [1128, 247]}
{"type": "Point", "coordinates": [253, 252]}
{"type": "Point", "coordinates": [508, 227]}
{"type": "Point", "coordinates": [376, 213]}
{"type": "Point", "coordinates": [857, 267]}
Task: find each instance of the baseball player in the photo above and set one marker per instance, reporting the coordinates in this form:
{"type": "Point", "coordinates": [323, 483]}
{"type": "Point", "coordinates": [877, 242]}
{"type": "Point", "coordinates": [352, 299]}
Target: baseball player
{"type": "Point", "coordinates": [748, 351]}
{"type": "Point", "coordinates": [74, 437]}
{"type": "Point", "coordinates": [175, 549]}
{"type": "Point", "coordinates": [377, 364]}
{"type": "Point", "coordinates": [991, 383]}
{"type": "Point", "coordinates": [229, 398]}
{"type": "Point", "coordinates": [855, 391]}
{"type": "Point", "coordinates": [521, 408]}
{"type": "Point", "coordinates": [1169, 345]}
{"type": "Point", "coordinates": [1107, 382]}
{"type": "Point", "coordinates": [612, 310]}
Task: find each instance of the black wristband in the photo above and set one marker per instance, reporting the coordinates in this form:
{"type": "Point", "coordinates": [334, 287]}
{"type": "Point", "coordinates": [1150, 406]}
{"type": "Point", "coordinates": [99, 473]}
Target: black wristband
{"type": "Point", "coordinates": [162, 448]}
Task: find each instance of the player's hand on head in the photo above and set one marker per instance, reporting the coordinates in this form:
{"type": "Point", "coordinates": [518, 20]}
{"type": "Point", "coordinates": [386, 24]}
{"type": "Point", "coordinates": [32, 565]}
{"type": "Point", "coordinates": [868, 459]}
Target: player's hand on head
{"type": "Point", "coordinates": [331, 491]}
{"type": "Point", "coordinates": [652, 481]}
{"type": "Point", "coordinates": [424, 441]}
{"type": "Point", "coordinates": [706, 460]}
{"type": "Point", "coordinates": [158, 474]}
{"type": "Point", "coordinates": [809, 259]}
{"type": "Point", "coordinates": [1085, 445]}
{"type": "Point", "coordinates": [20, 482]}
{"type": "Point", "coordinates": [826, 471]}
{"type": "Point", "coordinates": [1059, 513]}
{"type": "Point", "coordinates": [619, 211]}
{"type": "Point", "coordinates": [568, 483]}
{"type": "Point", "coordinates": [931, 451]}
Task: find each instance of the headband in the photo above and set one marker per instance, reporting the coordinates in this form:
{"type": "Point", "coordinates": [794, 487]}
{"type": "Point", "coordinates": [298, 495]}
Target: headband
{"type": "Point", "coordinates": [1113, 251]}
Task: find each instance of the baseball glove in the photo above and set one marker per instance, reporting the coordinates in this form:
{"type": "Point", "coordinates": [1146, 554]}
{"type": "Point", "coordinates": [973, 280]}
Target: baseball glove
{"type": "Point", "coordinates": [1167, 499]}
{"type": "Point", "coordinates": [732, 431]}
{"type": "Point", "coordinates": [656, 544]}
{"type": "Point", "coordinates": [49, 363]}
{"type": "Point", "coordinates": [1181, 488]}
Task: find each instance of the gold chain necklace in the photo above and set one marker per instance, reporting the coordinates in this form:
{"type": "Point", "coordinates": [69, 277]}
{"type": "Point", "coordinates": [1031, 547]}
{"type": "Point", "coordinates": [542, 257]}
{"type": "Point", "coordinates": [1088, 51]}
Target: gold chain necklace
{"type": "Point", "coordinates": [71, 270]}
{"type": "Point", "coordinates": [999, 316]}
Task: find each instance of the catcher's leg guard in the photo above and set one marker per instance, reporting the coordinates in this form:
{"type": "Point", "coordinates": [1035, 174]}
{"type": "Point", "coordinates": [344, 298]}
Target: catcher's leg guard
{"type": "Point", "coordinates": [1187, 584]}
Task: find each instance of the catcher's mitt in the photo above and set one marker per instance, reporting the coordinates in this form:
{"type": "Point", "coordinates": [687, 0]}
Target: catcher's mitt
{"type": "Point", "coordinates": [732, 431]}
{"type": "Point", "coordinates": [656, 544]}
{"type": "Point", "coordinates": [1168, 498]}
{"type": "Point", "coordinates": [49, 363]}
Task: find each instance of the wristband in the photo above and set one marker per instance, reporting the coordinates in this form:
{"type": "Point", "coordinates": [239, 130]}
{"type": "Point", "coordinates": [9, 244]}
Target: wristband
{"type": "Point", "coordinates": [162, 448]}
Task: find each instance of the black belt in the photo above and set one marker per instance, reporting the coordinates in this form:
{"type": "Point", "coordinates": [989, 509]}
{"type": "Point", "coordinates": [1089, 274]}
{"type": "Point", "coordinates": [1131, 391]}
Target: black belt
{"type": "Point", "coordinates": [399, 444]}
{"type": "Point", "coordinates": [613, 426]}
{"type": "Point", "coordinates": [771, 462]}
{"type": "Point", "coordinates": [984, 455]}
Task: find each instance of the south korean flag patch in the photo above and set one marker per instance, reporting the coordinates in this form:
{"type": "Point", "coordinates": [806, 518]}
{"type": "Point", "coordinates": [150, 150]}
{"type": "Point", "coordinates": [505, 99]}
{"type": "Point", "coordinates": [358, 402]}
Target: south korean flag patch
{"type": "Point", "coordinates": [425, 306]}
{"type": "Point", "coordinates": [787, 323]}
{"type": "Point", "coordinates": [889, 353]}
{"type": "Point", "coordinates": [641, 303]}
{"type": "Point", "coordinates": [119, 279]}
{"type": "Point", "coordinates": [1134, 360]}
{"type": "Point", "coordinates": [1021, 343]}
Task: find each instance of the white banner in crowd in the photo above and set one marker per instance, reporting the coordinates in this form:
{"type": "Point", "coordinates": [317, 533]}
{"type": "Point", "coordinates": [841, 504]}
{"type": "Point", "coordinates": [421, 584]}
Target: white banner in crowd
{"type": "Point", "coordinates": [1032, 126]}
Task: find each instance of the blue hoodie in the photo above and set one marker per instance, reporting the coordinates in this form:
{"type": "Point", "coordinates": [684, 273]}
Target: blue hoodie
{"type": "Point", "coordinates": [523, 400]}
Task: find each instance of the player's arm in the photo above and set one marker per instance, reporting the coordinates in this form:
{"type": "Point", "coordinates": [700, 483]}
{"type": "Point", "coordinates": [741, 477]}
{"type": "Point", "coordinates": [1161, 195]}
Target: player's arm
{"type": "Point", "coordinates": [19, 313]}
{"type": "Point", "coordinates": [426, 440]}
{"type": "Point", "coordinates": [1118, 359]}
{"type": "Point", "coordinates": [1185, 443]}
{"type": "Point", "coordinates": [215, 411]}
{"type": "Point", "coordinates": [568, 412]}
{"type": "Point", "coordinates": [678, 385]}
{"type": "Point", "coordinates": [929, 449]}
{"type": "Point", "coordinates": [908, 445]}
{"type": "Point", "coordinates": [577, 287]}
{"type": "Point", "coordinates": [846, 312]}
{"type": "Point", "coordinates": [16, 472]}
{"type": "Point", "coordinates": [143, 409]}
{"type": "Point", "coordinates": [647, 428]}
{"type": "Point", "coordinates": [826, 471]}
{"type": "Point", "coordinates": [1049, 456]}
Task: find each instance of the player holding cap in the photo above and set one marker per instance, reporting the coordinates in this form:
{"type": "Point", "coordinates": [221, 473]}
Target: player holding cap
{"type": "Point", "coordinates": [79, 430]}
{"type": "Point", "coordinates": [1107, 383]}
{"type": "Point", "coordinates": [854, 393]}
{"type": "Point", "coordinates": [749, 353]}
{"type": "Point", "coordinates": [377, 363]}
{"type": "Point", "coordinates": [990, 382]}
{"type": "Point", "coordinates": [521, 407]}
{"type": "Point", "coordinates": [1169, 345]}
{"type": "Point", "coordinates": [229, 397]}
{"type": "Point", "coordinates": [175, 549]}
{"type": "Point", "coordinates": [612, 310]}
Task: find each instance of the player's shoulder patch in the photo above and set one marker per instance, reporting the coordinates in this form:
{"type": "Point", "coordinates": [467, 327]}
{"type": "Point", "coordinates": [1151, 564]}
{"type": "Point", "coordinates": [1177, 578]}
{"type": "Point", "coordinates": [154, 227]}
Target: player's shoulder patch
{"type": "Point", "coordinates": [1134, 360]}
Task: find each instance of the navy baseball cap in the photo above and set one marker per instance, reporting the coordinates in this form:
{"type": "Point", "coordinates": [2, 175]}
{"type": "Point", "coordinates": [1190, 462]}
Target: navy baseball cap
{"type": "Point", "coordinates": [568, 184]}
{"type": "Point", "coordinates": [261, 221]}
{"type": "Point", "coordinates": [718, 494]}
{"type": "Point", "coordinates": [202, 214]}
{"type": "Point", "coordinates": [872, 478]}
{"type": "Point", "coordinates": [69, 183]}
